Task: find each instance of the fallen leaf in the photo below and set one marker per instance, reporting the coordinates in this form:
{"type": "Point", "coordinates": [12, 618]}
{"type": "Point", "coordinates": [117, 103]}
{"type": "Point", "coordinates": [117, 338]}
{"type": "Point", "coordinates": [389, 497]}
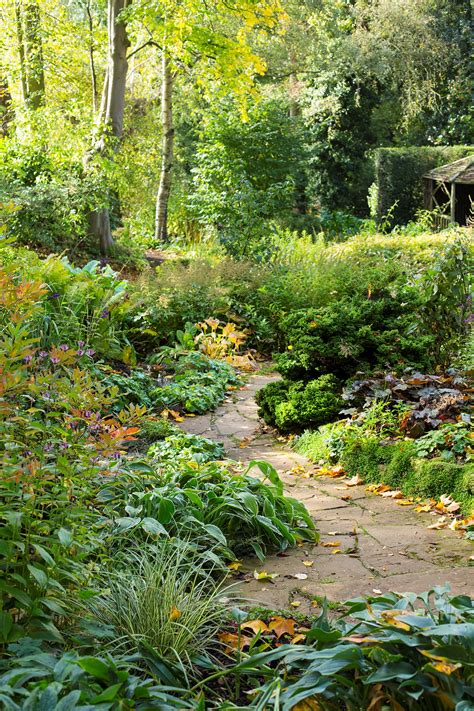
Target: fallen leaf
{"type": "Point", "coordinates": [354, 481]}
{"type": "Point", "coordinates": [405, 502]}
{"type": "Point", "coordinates": [264, 576]}
{"type": "Point", "coordinates": [175, 614]}
{"type": "Point", "coordinates": [231, 640]}
{"type": "Point", "coordinates": [377, 591]}
{"type": "Point", "coordinates": [255, 625]}
{"type": "Point", "coordinates": [338, 550]}
{"type": "Point", "coordinates": [236, 565]}
{"type": "Point", "coordinates": [330, 544]}
{"type": "Point", "coordinates": [308, 563]}
{"type": "Point", "coordinates": [452, 508]}
{"type": "Point", "coordinates": [300, 576]}
{"type": "Point", "coordinates": [295, 603]}
{"type": "Point", "coordinates": [282, 625]}
{"type": "Point", "coordinates": [441, 523]}
{"type": "Point", "coordinates": [298, 638]}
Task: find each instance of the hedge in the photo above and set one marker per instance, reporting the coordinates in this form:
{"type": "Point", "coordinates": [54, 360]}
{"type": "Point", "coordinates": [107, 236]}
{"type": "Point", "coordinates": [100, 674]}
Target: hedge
{"type": "Point", "coordinates": [398, 178]}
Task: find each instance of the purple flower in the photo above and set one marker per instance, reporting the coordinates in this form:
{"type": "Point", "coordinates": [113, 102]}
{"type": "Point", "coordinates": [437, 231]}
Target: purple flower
{"type": "Point", "coordinates": [55, 296]}
{"type": "Point", "coordinates": [63, 347]}
{"type": "Point", "coordinates": [116, 455]}
{"type": "Point", "coordinates": [105, 313]}
{"type": "Point", "coordinates": [80, 352]}
{"type": "Point", "coordinates": [87, 413]}
{"type": "Point", "coordinates": [43, 354]}
{"type": "Point", "coordinates": [63, 445]}
{"type": "Point", "coordinates": [27, 453]}
{"type": "Point", "coordinates": [90, 352]}
{"type": "Point", "coordinates": [48, 447]}
{"type": "Point", "coordinates": [94, 460]}
{"type": "Point", "coordinates": [27, 359]}
{"type": "Point", "coordinates": [81, 344]}
{"type": "Point", "coordinates": [54, 360]}
{"type": "Point", "coordinates": [46, 396]}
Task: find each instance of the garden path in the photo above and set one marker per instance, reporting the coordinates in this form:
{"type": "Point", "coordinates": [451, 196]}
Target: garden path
{"type": "Point", "coordinates": [383, 546]}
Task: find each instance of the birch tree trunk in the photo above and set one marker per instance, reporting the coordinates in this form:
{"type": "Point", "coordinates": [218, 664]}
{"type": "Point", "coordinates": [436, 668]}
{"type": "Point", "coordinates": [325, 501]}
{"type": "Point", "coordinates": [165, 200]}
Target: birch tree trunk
{"type": "Point", "coordinates": [6, 107]}
{"type": "Point", "coordinates": [30, 50]}
{"type": "Point", "coordinates": [113, 110]}
{"type": "Point", "coordinates": [164, 189]}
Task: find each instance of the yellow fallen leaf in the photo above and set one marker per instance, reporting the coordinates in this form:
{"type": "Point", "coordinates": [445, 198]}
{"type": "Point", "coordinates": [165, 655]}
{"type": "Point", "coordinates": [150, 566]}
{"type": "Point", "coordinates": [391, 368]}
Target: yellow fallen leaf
{"type": "Point", "coordinates": [236, 565]}
{"type": "Point", "coordinates": [298, 638]}
{"type": "Point", "coordinates": [308, 563]}
{"type": "Point", "coordinates": [295, 603]}
{"type": "Point", "coordinates": [264, 576]}
{"type": "Point", "coordinates": [338, 550]}
{"type": "Point", "coordinates": [446, 667]}
{"type": "Point", "coordinates": [405, 502]}
{"type": "Point", "coordinates": [330, 544]}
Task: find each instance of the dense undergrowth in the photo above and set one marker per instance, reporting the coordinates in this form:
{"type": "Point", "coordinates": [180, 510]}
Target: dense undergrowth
{"type": "Point", "coordinates": [117, 528]}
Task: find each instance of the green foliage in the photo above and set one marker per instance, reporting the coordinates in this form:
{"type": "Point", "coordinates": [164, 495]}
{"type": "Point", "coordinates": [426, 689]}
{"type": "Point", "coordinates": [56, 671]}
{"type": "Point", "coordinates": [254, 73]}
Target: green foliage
{"type": "Point", "coordinates": [222, 513]}
{"type": "Point", "coordinates": [181, 448]}
{"type": "Point", "coordinates": [407, 649]}
{"type": "Point", "coordinates": [399, 173]}
{"type": "Point", "coordinates": [291, 406]}
{"type": "Point", "coordinates": [354, 334]}
{"type": "Point", "coordinates": [450, 441]}
{"type": "Point", "coordinates": [199, 384]}
{"type": "Point", "coordinates": [246, 174]}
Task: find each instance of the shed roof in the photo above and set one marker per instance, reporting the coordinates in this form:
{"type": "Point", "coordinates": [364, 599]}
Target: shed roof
{"type": "Point", "coordinates": [461, 171]}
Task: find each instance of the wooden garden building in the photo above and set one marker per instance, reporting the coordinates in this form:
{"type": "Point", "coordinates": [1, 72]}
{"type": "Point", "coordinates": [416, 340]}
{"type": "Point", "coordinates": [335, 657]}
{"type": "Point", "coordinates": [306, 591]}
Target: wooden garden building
{"type": "Point", "coordinates": [449, 190]}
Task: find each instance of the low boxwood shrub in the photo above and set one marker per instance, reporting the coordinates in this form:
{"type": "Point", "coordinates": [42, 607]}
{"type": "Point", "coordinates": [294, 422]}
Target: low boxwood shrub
{"type": "Point", "coordinates": [353, 335]}
{"type": "Point", "coordinates": [291, 406]}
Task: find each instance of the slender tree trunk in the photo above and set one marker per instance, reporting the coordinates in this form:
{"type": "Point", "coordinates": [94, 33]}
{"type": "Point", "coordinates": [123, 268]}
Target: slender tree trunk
{"type": "Point", "coordinates": [30, 49]}
{"type": "Point", "coordinates": [21, 48]}
{"type": "Point", "coordinates": [6, 107]}
{"type": "Point", "coordinates": [34, 54]}
{"type": "Point", "coordinates": [164, 189]}
{"type": "Point", "coordinates": [92, 58]}
{"type": "Point", "coordinates": [112, 110]}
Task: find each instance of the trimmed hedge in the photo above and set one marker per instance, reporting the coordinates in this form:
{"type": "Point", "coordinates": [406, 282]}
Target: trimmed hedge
{"type": "Point", "coordinates": [399, 173]}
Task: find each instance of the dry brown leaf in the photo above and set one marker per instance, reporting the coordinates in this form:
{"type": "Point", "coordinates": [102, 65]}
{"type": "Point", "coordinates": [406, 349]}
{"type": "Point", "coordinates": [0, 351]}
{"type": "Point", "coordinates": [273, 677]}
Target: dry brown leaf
{"type": "Point", "coordinates": [231, 640]}
{"type": "Point", "coordinates": [355, 481]}
{"type": "Point", "coordinates": [282, 625]}
{"type": "Point", "coordinates": [255, 625]}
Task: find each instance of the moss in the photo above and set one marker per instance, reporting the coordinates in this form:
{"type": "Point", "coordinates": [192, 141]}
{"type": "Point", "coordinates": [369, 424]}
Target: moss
{"type": "Point", "coordinates": [366, 457]}
{"type": "Point", "coordinates": [396, 466]}
{"type": "Point", "coordinates": [435, 477]}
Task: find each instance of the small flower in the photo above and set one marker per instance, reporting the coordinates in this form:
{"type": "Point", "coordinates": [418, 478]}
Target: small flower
{"type": "Point", "coordinates": [63, 347]}
{"type": "Point", "coordinates": [79, 352]}
{"type": "Point", "coordinates": [94, 460]}
{"type": "Point", "coordinates": [81, 344]}
{"type": "Point", "coordinates": [27, 359]}
{"type": "Point", "coordinates": [43, 354]}
{"type": "Point", "coordinates": [55, 296]}
{"type": "Point", "coordinates": [63, 445]}
{"type": "Point", "coordinates": [105, 313]}
{"type": "Point", "coordinates": [48, 447]}
{"type": "Point", "coordinates": [87, 413]}
{"type": "Point", "coordinates": [290, 348]}
{"type": "Point", "coordinates": [116, 455]}
{"type": "Point", "coordinates": [54, 360]}
{"type": "Point", "coordinates": [90, 352]}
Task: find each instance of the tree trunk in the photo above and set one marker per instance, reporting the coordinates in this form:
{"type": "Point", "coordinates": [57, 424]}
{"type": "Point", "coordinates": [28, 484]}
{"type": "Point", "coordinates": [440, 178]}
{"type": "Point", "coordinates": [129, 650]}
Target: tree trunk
{"type": "Point", "coordinates": [30, 49]}
{"type": "Point", "coordinates": [92, 58]}
{"type": "Point", "coordinates": [113, 110]}
{"type": "Point", "coordinates": [164, 189]}
{"type": "Point", "coordinates": [6, 108]}
{"type": "Point", "coordinates": [34, 54]}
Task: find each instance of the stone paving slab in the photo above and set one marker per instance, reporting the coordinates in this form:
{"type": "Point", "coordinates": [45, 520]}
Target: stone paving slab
{"type": "Point", "coordinates": [383, 546]}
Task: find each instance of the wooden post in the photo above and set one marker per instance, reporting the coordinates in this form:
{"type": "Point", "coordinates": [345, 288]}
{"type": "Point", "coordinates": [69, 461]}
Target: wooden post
{"type": "Point", "coordinates": [453, 203]}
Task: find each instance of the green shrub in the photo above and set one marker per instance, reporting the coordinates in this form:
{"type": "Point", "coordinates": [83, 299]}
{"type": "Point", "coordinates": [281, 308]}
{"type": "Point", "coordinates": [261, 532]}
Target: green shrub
{"type": "Point", "coordinates": [291, 406]}
{"type": "Point", "coordinates": [351, 335]}
{"type": "Point", "coordinates": [399, 177]}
